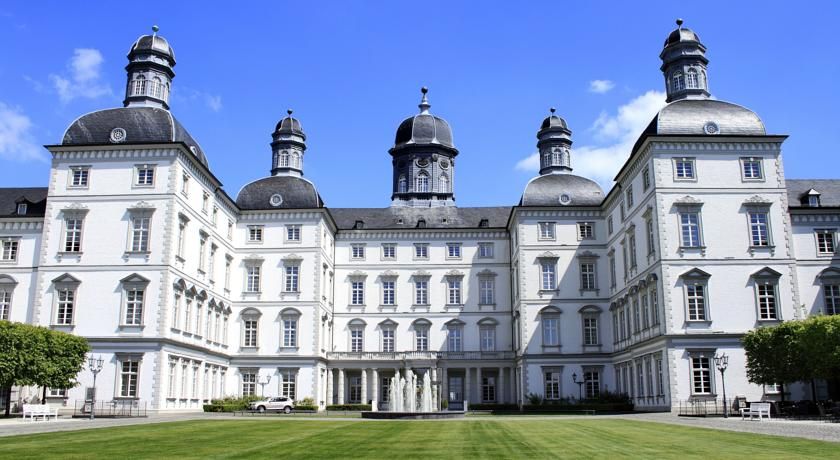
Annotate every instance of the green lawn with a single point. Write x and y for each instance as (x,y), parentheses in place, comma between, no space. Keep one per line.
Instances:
(500,438)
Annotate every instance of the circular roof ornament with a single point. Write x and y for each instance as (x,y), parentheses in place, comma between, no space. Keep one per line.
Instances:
(117,135)
(565,199)
(276,200)
(444,164)
(711,128)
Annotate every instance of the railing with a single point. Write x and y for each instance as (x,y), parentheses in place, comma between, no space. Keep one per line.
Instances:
(112,409)
(702,407)
(419,355)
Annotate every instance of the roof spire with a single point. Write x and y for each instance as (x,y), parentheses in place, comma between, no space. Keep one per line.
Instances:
(424,103)
(679,23)
(552,110)
(289,111)
(155,29)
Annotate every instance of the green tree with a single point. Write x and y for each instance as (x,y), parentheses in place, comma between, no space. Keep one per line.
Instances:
(33,355)
(820,340)
(775,355)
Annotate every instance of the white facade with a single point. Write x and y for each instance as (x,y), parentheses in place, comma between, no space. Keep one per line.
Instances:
(189,297)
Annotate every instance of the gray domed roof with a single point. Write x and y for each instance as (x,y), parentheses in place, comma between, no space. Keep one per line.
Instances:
(694,116)
(681,34)
(554,121)
(554,189)
(153,44)
(424,128)
(289,125)
(294,193)
(141,125)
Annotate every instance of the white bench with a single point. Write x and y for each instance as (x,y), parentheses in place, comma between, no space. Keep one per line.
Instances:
(756,409)
(39,410)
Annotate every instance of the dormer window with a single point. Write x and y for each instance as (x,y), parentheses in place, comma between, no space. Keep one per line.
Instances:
(21,209)
(813,201)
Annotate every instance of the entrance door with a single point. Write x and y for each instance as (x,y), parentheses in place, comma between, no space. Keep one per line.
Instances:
(456,393)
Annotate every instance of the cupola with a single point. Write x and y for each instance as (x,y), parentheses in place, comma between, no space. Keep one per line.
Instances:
(684,65)
(150,74)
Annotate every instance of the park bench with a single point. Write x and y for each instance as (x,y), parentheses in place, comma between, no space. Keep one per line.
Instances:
(39,410)
(759,409)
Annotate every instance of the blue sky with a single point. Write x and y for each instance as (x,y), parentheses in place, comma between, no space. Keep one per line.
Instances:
(352,71)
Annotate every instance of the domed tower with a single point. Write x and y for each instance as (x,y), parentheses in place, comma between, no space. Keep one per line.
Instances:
(684,65)
(423,160)
(150,74)
(288,147)
(554,144)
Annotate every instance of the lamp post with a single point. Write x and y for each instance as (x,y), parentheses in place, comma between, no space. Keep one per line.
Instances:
(579,384)
(95,366)
(722,362)
(265,382)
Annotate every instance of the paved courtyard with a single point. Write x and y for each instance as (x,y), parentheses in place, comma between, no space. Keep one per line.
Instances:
(807,429)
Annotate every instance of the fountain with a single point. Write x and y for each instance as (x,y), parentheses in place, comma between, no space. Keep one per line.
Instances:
(406,401)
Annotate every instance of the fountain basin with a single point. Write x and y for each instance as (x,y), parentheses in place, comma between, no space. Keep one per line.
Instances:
(413,415)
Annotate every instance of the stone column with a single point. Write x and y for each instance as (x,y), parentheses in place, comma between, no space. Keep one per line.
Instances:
(364,387)
(279,383)
(500,394)
(435,390)
(328,399)
(375,390)
(467,372)
(480,398)
(444,386)
(512,371)
(340,386)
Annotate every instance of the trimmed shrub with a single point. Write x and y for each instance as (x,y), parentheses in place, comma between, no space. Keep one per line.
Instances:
(352,407)
(299,407)
(494,407)
(600,407)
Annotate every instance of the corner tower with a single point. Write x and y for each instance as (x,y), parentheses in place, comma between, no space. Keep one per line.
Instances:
(684,65)
(150,74)
(423,158)
(288,147)
(554,142)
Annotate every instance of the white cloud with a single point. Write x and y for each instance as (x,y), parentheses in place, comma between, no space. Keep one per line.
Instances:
(186,95)
(214,103)
(16,141)
(615,135)
(600,86)
(84,79)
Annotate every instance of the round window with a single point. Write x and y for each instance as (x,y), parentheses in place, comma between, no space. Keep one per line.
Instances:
(565,199)
(117,135)
(276,200)
(711,128)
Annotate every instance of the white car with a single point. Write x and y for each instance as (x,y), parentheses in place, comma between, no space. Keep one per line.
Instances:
(276,403)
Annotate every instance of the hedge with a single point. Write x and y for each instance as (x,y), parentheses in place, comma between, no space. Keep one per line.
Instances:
(353,407)
(305,407)
(494,407)
(601,407)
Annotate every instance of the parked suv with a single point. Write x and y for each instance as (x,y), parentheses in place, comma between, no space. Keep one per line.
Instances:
(277,403)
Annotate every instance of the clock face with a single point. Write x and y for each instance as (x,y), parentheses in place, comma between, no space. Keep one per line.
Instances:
(444,164)
(423,162)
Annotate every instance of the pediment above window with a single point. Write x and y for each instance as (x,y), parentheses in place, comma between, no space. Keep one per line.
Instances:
(421,274)
(6,280)
(590,309)
(142,206)
(652,278)
(548,255)
(487,273)
(357,322)
(757,202)
(766,273)
(75,208)
(388,324)
(253,258)
(251,312)
(830,274)
(421,323)
(488,322)
(588,255)
(550,310)
(648,212)
(358,274)
(134,278)
(66,279)
(201,295)
(292,259)
(454,274)
(695,274)
(389,274)
(688,202)
(290,312)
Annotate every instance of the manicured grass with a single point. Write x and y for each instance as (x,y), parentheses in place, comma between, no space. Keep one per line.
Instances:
(511,438)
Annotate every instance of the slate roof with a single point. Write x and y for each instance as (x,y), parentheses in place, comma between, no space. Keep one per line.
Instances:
(546,190)
(36,199)
(689,117)
(296,193)
(423,129)
(141,124)
(829,190)
(443,217)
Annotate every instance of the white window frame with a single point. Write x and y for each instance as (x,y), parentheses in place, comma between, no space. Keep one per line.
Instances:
(389,291)
(588,275)
(9,249)
(701,313)
(289,328)
(831,298)
(129,368)
(553,383)
(71,245)
(357,292)
(421,251)
(389,251)
(683,225)
(454,291)
(680,170)
(486,250)
(84,171)
(421,291)
(548,274)
(831,233)
(141,172)
(357,251)
(388,339)
(767,300)
(701,372)
(139,237)
(455,338)
(130,316)
(453,251)
(253,278)
(586,230)
(250,330)
(291,277)
(550,327)
(646,178)
(744,162)
(293,233)
(486,290)
(760,233)
(547,231)
(256,234)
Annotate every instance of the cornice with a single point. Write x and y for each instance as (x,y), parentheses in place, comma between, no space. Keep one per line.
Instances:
(396,235)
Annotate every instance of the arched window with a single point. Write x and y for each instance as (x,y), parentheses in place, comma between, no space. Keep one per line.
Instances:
(289,327)
(422,183)
(166,92)
(284,159)
(546,158)
(250,327)
(139,86)
(157,87)
(550,319)
(296,159)
(556,156)
(443,184)
(692,81)
(402,185)
(357,335)
(678,82)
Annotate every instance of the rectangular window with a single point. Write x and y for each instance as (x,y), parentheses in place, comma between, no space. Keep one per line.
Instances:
(552,385)
(628,194)
(134,306)
(79,176)
(549,276)
(9,250)
(357,293)
(646,179)
(631,247)
(488,389)
(228,265)
(551,333)
(211,263)
(215,215)
(660,378)
(144,176)
(288,387)
(140,226)
(357,340)
(5,304)
(751,169)
(546,230)
(612,271)
(651,237)
(610,225)
(587,276)
(454,292)
(831,293)
(421,251)
(488,338)
(202,252)
(421,336)
(253,278)
(825,241)
(690,229)
(684,168)
(759,229)
(696,299)
(290,332)
(421,292)
(590,331)
(230,229)
(388,340)
(592,384)
(453,250)
(249,338)
(701,375)
(185,184)
(293,233)
(129,373)
(255,233)
(486,291)
(357,251)
(389,251)
(66,306)
(586,230)
(767,304)
(249,384)
(455,339)
(388,292)
(292,277)
(73,234)
(654,306)
(485,250)
(355,395)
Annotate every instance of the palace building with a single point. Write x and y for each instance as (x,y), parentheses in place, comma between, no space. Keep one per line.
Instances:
(190,294)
